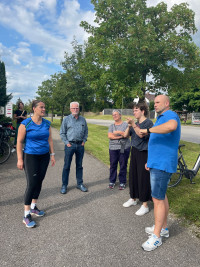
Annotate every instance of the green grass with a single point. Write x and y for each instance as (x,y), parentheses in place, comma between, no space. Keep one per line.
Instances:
(104,117)
(184,199)
(98,142)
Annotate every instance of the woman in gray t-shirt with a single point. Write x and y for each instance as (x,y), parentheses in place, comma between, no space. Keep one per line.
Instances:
(119,149)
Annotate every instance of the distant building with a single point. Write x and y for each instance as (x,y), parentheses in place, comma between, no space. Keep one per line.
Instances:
(148,98)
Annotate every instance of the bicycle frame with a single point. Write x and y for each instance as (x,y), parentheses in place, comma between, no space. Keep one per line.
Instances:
(189,173)
(182,170)
(196,165)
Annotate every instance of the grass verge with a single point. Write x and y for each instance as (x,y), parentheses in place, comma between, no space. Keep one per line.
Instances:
(184,199)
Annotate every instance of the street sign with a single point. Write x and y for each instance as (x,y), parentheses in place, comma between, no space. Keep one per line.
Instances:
(9,110)
(195,118)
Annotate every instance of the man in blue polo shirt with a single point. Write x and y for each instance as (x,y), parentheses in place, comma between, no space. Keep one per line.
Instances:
(162,162)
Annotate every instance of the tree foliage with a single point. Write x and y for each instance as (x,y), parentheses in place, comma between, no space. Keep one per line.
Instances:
(133,49)
(77,78)
(134,42)
(4,98)
(188,99)
(45,93)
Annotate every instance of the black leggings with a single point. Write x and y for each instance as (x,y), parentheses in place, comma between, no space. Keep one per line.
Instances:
(35,168)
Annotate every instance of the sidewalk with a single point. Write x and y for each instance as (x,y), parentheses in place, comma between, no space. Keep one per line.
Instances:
(82,229)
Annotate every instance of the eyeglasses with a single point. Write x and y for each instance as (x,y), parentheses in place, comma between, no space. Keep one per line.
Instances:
(74,108)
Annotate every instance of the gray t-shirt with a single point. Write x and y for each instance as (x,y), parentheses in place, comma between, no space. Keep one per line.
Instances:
(117,144)
(137,142)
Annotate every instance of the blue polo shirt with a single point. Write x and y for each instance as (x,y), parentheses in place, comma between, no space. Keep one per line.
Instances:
(163,148)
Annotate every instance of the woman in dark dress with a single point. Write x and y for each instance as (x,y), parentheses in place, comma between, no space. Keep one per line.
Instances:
(139,178)
(20,115)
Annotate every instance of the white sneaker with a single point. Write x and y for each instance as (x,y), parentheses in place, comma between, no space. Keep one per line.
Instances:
(143,210)
(164,232)
(129,203)
(152,243)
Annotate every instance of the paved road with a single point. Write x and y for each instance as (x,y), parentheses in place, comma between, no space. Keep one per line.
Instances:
(82,229)
(188,133)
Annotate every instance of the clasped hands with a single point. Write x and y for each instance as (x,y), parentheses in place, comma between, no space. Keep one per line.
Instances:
(131,122)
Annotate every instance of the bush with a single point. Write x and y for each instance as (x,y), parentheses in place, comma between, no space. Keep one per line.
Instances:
(4,119)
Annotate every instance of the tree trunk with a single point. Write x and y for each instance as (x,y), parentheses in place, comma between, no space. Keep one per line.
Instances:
(83,110)
(144,76)
(62,114)
(52,114)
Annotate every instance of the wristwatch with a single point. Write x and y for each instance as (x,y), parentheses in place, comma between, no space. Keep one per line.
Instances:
(148,131)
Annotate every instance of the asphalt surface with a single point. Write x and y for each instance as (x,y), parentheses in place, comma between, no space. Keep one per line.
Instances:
(188,133)
(83,229)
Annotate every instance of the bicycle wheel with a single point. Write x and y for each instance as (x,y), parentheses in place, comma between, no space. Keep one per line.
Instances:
(4,152)
(176,177)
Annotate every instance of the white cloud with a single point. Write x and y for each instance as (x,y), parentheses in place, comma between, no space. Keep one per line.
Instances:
(24,72)
(37,24)
(70,19)
(36,5)
(54,43)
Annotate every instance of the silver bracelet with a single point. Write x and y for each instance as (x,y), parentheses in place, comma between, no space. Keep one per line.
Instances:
(52,154)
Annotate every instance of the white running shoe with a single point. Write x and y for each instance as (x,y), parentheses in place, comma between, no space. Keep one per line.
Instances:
(129,203)
(164,232)
(142,210)
(152,243)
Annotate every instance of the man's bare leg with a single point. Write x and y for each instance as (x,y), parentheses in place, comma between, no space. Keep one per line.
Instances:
(160,214)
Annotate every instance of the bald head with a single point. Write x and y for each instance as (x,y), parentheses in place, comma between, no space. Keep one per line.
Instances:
(161,103)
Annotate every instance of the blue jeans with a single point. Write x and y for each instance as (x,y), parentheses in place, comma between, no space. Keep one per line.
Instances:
(159,182)
(78,150)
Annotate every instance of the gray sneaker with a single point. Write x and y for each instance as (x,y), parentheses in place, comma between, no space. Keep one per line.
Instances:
(150,230)
(111,185)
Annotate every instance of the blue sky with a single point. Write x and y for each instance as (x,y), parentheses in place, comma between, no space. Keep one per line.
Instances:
(34,34)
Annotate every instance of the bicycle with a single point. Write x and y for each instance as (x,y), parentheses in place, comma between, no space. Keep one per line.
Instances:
(5,147)
(182,169)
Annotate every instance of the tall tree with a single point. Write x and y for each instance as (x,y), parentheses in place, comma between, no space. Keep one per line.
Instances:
(45,93)
(62,94)
(136,48)
(78,86)
(4,98)
(187,99)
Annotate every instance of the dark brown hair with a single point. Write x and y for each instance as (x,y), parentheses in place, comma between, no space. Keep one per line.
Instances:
(142,106)
(35,103)
(20,102)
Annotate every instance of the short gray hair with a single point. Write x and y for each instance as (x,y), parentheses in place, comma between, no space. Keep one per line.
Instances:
(74,103)
(116,110)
